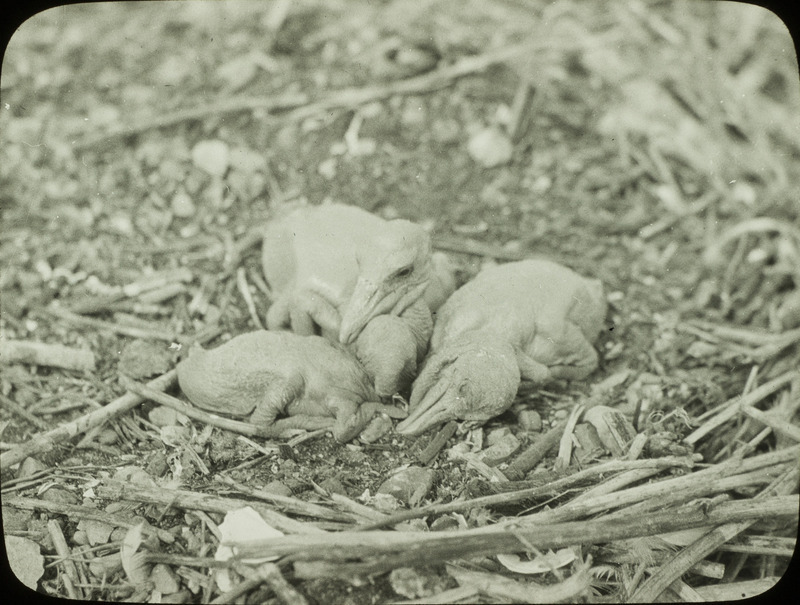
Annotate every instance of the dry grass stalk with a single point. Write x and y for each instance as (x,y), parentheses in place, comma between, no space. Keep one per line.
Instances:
(680,562)
(45,354)
(46,441)
(23,412)
(734,406)
(89,322)
(735,591)
(271,574)
(534,454)
(70,575)
(387,550)
(551,489)
(187,500)
(77,511)
(437,443)
(244,290)
(289,504)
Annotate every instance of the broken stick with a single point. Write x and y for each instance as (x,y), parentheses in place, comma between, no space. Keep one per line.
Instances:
(44,354)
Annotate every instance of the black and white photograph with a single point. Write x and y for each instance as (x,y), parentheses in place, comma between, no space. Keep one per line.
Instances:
(364,302)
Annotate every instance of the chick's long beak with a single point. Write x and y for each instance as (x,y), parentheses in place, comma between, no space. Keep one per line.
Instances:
(434,407)
(370,299)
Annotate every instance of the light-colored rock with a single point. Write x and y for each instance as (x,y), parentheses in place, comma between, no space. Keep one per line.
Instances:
(212,156)
(530,420)
(409,485)
(490,147)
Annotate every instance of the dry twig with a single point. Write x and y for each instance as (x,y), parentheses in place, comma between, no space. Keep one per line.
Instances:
(44,354)
(46,441)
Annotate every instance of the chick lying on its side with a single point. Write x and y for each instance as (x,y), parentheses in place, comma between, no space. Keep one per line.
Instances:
(529,320)
(280,381)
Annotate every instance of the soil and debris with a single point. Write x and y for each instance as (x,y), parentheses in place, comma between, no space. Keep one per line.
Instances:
(653,145)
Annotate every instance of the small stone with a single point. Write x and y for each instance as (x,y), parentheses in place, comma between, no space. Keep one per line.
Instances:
(377,428)
(417,583)
(499,435)
(530,420)
(614,430)
(384,503)
(142,359)
(277,488)
(59,495)
(30,466)
(789,311)
(106,566)
(97,532)
(182,204)
(157,464)
(413,114)
(588,446)
(560,415)
(333,485)
(327,168)
(500,451)
(490,147)
(444,523)
(164,579)
(79,538)
(163,416)
(212,155)
(107,437)
(409,485)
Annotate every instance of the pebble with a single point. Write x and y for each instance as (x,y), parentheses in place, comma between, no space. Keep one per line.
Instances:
(409,485)
(30,466)
(530,420)
(107,437)
(560,415)
(327,168)
(79,538)
(60,495)
(157,465)
(789,311)
(490,147)
(444,523)
(212,156)
(106,566)
(333,485)
(377,428)
(163,416)
(182,204)
(277,488)
(500,451)
(97,532)
(164,579)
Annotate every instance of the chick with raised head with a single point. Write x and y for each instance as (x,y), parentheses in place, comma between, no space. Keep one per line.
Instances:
(333,269)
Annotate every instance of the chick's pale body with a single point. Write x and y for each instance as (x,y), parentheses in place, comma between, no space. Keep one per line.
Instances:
(279,381)
(531,320)
(310,263)
(335,269)
(549,314)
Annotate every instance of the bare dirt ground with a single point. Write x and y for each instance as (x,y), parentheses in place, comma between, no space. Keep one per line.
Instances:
(653,145)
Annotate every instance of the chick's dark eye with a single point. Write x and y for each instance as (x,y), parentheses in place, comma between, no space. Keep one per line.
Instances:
(404,272)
